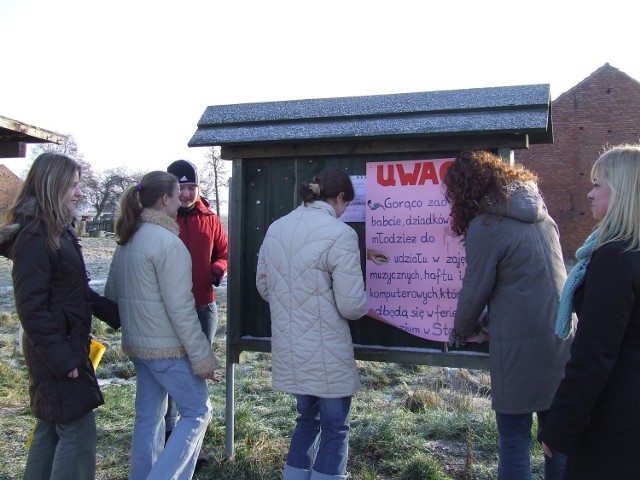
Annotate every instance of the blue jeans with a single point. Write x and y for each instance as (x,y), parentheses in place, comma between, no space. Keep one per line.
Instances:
(514,441)
(60,451)
(208,316)
(150,457)
(320,441)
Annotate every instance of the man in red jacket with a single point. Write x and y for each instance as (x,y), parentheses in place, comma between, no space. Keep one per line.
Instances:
(203,234)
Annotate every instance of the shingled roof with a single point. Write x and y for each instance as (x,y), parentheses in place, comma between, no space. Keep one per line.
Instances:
(516,110)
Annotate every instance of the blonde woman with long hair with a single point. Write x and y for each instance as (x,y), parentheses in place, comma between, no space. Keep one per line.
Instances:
(55,305)
(595,415)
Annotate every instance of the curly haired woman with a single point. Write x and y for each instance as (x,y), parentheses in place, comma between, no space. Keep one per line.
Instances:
(515,266)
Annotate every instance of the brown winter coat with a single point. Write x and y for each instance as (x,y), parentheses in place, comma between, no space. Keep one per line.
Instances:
(54,304)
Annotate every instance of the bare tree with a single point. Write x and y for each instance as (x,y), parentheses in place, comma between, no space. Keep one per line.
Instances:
(214,178)
(110,185)
(68,147)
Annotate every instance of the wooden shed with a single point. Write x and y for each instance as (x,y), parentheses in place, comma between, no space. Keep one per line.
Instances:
(276,145)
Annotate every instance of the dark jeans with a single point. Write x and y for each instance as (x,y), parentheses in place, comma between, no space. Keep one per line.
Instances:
(320,441)
(514,441)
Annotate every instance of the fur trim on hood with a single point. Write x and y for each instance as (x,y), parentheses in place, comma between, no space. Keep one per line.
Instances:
(8,233)
(157,217)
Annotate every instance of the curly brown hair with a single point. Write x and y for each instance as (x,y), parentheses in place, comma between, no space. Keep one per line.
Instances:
(475,182)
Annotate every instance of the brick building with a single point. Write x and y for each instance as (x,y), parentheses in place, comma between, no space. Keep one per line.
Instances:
(603,109)
(9,185)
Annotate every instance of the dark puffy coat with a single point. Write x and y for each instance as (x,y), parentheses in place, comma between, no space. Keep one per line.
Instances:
(595,415)
(54,304)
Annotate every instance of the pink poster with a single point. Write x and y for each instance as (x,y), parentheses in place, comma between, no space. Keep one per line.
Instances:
(414,266)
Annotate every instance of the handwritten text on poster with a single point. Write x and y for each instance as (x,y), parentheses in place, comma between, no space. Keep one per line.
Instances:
(416,285)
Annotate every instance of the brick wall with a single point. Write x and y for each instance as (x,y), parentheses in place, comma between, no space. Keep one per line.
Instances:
(9,186)
(603,109)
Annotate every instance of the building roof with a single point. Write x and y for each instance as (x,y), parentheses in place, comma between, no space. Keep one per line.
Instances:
(14,136)
(515,110)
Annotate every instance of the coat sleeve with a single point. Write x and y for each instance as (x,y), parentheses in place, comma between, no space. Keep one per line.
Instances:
(173,268)
(110,287)
(220,252)
(609,298)
(44,325)
(105,309)
(482,257)
(261,273)
(348,285)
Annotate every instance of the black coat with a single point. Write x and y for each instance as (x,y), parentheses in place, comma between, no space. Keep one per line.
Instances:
(54,304)
(595,416)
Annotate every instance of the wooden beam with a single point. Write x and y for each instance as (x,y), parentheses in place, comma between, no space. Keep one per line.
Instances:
(415,356)
(375,146)
(28,133)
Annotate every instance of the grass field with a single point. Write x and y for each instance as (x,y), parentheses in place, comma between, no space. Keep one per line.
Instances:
(408,421)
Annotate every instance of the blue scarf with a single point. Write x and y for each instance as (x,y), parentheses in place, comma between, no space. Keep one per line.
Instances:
(564,323)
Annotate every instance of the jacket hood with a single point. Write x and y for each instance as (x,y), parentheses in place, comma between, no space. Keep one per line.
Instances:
(7,234)
(10,231)
(525,203)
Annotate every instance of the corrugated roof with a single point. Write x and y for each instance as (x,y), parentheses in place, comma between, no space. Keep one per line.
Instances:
(524,109)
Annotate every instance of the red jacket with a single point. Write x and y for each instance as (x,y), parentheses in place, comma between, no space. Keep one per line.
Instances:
(202,232)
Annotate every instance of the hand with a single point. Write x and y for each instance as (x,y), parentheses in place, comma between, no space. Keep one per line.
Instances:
(377,257)
(547,451)
(73,373)
(481,331)
(456,340)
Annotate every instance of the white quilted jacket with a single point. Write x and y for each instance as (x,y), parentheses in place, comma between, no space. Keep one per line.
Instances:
(309,272)
(150,278)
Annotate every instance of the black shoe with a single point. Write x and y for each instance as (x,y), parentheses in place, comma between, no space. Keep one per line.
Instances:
(201,462)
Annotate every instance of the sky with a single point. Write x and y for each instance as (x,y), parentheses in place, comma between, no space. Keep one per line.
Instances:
(129,79)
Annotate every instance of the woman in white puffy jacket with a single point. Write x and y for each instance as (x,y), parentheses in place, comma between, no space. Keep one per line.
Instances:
(150,278)
(309,272)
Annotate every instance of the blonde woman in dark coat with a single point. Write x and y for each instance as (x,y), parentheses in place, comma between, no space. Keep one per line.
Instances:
(595,415)
(55,305)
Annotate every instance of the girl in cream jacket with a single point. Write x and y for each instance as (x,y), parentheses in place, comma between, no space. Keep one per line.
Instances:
(309,272)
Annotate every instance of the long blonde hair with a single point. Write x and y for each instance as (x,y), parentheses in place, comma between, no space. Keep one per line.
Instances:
(46,186)
(619,166)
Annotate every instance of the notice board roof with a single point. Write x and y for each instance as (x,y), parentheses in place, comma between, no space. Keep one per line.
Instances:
(523,110)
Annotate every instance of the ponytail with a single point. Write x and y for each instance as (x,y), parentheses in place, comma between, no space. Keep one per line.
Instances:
(328,184)
(138,197)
